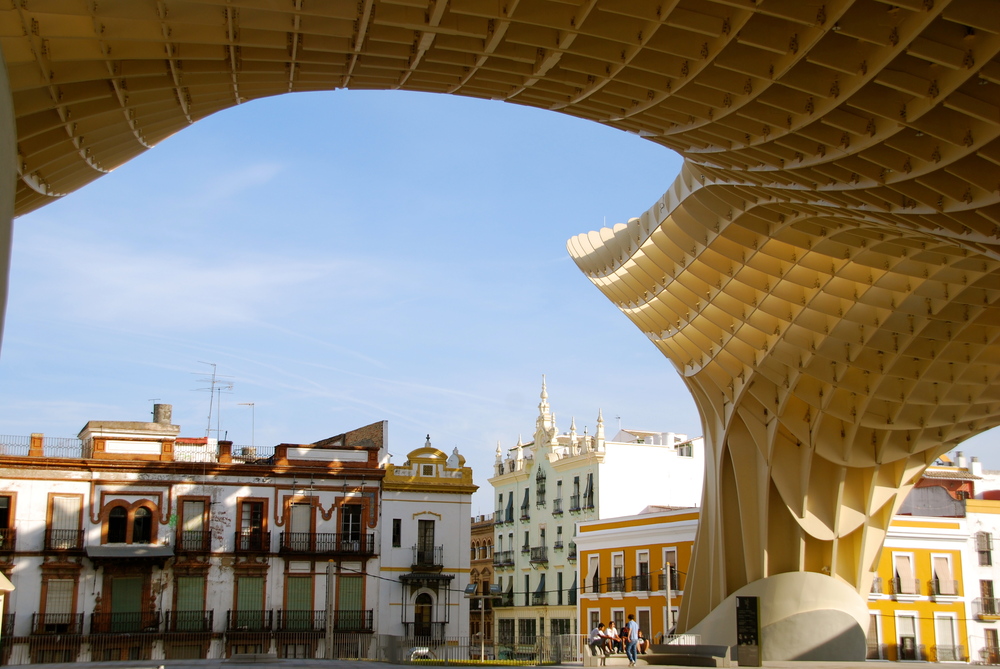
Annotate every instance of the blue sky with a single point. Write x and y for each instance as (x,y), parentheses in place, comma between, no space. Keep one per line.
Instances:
(343,258)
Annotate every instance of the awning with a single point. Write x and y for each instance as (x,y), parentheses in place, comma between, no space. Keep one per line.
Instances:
(510,507)
(525,503)
(130,552)
(590,485)
(541,585)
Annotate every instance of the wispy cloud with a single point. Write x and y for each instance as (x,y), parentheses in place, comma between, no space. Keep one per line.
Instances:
(224,186)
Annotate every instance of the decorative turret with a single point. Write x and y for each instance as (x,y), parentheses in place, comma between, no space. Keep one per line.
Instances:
(599,435)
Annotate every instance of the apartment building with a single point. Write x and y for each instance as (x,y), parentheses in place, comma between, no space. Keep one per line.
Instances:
(132,543)
(545,488)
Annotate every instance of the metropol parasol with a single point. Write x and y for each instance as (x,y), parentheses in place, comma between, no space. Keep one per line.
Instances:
(824,273)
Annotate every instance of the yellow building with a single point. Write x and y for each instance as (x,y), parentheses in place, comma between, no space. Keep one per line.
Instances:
(917,601)
(624,565)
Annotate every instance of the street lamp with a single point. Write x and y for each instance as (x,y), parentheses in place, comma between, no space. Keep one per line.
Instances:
(253,420)
(471,591)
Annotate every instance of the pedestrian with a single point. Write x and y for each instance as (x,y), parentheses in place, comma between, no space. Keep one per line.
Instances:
(631,631)
(598,642)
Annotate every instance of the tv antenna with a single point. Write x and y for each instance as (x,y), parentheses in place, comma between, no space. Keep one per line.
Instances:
(217,383)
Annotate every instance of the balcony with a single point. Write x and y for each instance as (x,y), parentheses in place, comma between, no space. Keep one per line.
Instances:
(189,541)
(503,559)
(249,621)
(132,622)
(301,621)
(425,632)
(905,588)
(539,554)
(8,540)
(425,558)
(944,588)
(574,503)
(877,586)
(498,517)
(557,506)
(64,540)
(986,608)
(640,583)
(55,623)
(327,543)
(360,620)
(539,598)
(525,549)
(506,599)
(989,655)
(571,556)
(525,514)
(252,541)
(675,584)
(557,546)
(948,654)
(616,584)
(189,621)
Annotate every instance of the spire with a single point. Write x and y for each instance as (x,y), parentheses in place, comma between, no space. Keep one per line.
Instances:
(499,452)
(543,406)
(572,429)
(599,433)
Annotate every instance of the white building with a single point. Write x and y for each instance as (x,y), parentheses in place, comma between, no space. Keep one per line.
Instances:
(545,487)
(132,543)
(426,519)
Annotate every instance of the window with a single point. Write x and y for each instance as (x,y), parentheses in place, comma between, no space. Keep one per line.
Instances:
(299,535)
(984,546)
(129,527)
(944,631)
(904,581)
(593,574)
(526,630)
(397,532)
(525,514)
(425,542)
(505,631)
(64,531)
(906,628)
(6,522)
(189,606)
(670,558)
(118,525)
(559,626)
(559,590)
(527,589)
(252,536)
(427,470)
(989,604)
(249,614)
(193,534)
(588,492)
(142,526)
(642,577)
(350,526)
(944,583)
(57,610)
(685,450)
(540,488)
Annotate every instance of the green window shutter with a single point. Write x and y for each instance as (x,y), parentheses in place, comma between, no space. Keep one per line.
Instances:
(299,594)
(190,593)
(350,594)
(126,594)
(250,593)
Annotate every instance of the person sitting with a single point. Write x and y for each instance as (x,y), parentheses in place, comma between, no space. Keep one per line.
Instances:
(643,643)
(615,640)
(598,642)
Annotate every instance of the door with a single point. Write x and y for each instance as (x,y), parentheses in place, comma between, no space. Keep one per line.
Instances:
(944,630)
(193,537)
(907,631)
(65,531)
(252,526)
(425,542)
(423,615)
(126,604)
(350,528)
(299,527)
(190,613)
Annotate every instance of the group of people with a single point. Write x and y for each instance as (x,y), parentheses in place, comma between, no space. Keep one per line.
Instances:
(607,640)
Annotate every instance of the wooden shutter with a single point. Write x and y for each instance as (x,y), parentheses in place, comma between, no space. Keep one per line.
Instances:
(298,596)
(59,596)
(66,513)
(194,515)
(190,593)
(250,593)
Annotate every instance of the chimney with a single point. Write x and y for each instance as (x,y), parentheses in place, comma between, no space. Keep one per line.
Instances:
(976,467)
(162,413)
(960,460)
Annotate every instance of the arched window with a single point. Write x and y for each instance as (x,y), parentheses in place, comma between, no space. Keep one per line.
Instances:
(117,525)
(142,526)
(423,615)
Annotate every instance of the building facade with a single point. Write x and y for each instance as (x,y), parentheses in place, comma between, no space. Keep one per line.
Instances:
(635,565)
(132,543)
(481,574)
(544,488)
(424,562)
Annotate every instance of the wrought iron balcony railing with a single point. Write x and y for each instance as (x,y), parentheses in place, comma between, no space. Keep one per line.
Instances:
(616,584)
(503,559)
(131,622)
(8,539)
(301,621)
(944,587)
(539,598)
(253,541)
(905,586)
(349,543)
(574,503)
(571,556)
(539,554)
(55,623)
(193,541)
(557,546)
(986,607)
(359,620)
(249,621)
(428,557)
(877,586)
(557,506)
(640,583)
(674,579)
(63,540)
(189,621)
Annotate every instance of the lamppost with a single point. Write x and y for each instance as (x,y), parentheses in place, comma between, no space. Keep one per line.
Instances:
(253,420)
(472,592)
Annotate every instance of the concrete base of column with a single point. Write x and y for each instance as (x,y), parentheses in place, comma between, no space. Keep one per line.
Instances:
(803,616)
